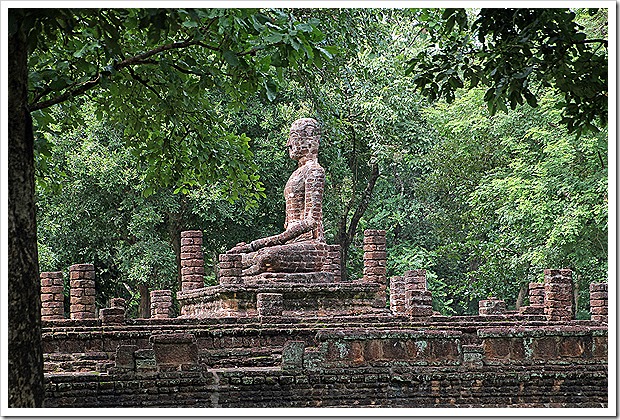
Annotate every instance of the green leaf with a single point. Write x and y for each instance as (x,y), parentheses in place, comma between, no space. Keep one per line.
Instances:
(273,38)
(231,58)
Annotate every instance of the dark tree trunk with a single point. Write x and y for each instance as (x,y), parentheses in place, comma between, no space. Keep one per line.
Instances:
(25,368)
(176,224)
(522,293)
(145,301)
(346,234)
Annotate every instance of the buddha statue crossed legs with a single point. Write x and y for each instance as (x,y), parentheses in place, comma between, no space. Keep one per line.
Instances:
(301,248)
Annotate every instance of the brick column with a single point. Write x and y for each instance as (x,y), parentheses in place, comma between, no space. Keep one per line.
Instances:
(230,269)
(418,300)
(598,302)
(333,262)
(82,282)
(397,295)
(161,304)
(115,314)
(192,260)
(536,294)
(375,256)
(558,299)
(269,304)
(52,297)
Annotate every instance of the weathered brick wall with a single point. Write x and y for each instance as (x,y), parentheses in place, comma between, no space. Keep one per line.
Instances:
(242,362)
(398,386)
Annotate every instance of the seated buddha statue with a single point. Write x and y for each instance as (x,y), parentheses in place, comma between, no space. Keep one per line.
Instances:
(301,248)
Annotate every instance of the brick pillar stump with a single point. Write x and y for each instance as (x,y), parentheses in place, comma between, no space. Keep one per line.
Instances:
(375,259)
(230,269)
(115,314)
(52,297)
(161,304)
(415,280)
(82,294)
(118,303)
(192,260)
(112,315)
(375,256)
(418,300)
(397,295)
(536,295)
(491,306)
(333,262)
(269,304)
(598,302)
(558,301)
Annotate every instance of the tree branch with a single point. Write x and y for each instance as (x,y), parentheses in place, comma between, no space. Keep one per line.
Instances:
(143,82)
(68,94)
(135,60)
(138,59)
(365,201)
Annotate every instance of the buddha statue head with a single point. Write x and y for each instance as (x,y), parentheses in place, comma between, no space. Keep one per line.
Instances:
(304,138)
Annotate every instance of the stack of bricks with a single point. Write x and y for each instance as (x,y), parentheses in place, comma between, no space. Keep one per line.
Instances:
(491,306)
(418,300)
(52,297)
(161,304)
(375,256)
(598,302)
(269,304)
(536,295)
(118,303)
(82,294)
(558,299)
(333,262)
(192,260)
(397,295)
(230,269)
(115,314)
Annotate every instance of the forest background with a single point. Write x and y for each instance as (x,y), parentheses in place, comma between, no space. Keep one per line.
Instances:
(483,195)
(477,138)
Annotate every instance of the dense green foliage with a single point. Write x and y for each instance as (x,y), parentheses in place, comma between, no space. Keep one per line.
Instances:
(516,53)
(483,202)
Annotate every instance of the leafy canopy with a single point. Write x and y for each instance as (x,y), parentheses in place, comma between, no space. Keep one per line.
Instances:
(515,54)
(159,72)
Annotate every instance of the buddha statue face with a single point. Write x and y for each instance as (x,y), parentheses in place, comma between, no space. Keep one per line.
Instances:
(304,139)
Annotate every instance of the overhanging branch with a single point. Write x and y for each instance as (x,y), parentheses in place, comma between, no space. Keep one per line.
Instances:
(135,60)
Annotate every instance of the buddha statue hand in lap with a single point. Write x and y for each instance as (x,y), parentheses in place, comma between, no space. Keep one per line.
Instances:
(301,247)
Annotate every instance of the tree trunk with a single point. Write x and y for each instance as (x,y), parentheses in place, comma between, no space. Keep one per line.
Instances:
(175,226)
(145,301)
(25,369)
(522,292)
(346,234)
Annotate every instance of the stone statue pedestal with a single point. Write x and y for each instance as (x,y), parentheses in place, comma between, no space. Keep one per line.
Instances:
(321,297)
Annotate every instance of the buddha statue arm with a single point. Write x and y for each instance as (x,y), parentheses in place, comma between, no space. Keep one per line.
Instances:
(313,197)
(294,230)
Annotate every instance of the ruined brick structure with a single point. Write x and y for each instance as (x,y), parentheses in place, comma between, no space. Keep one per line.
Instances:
(598,302)
(282,329)
(192,260)
(52,297)
(82,281)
